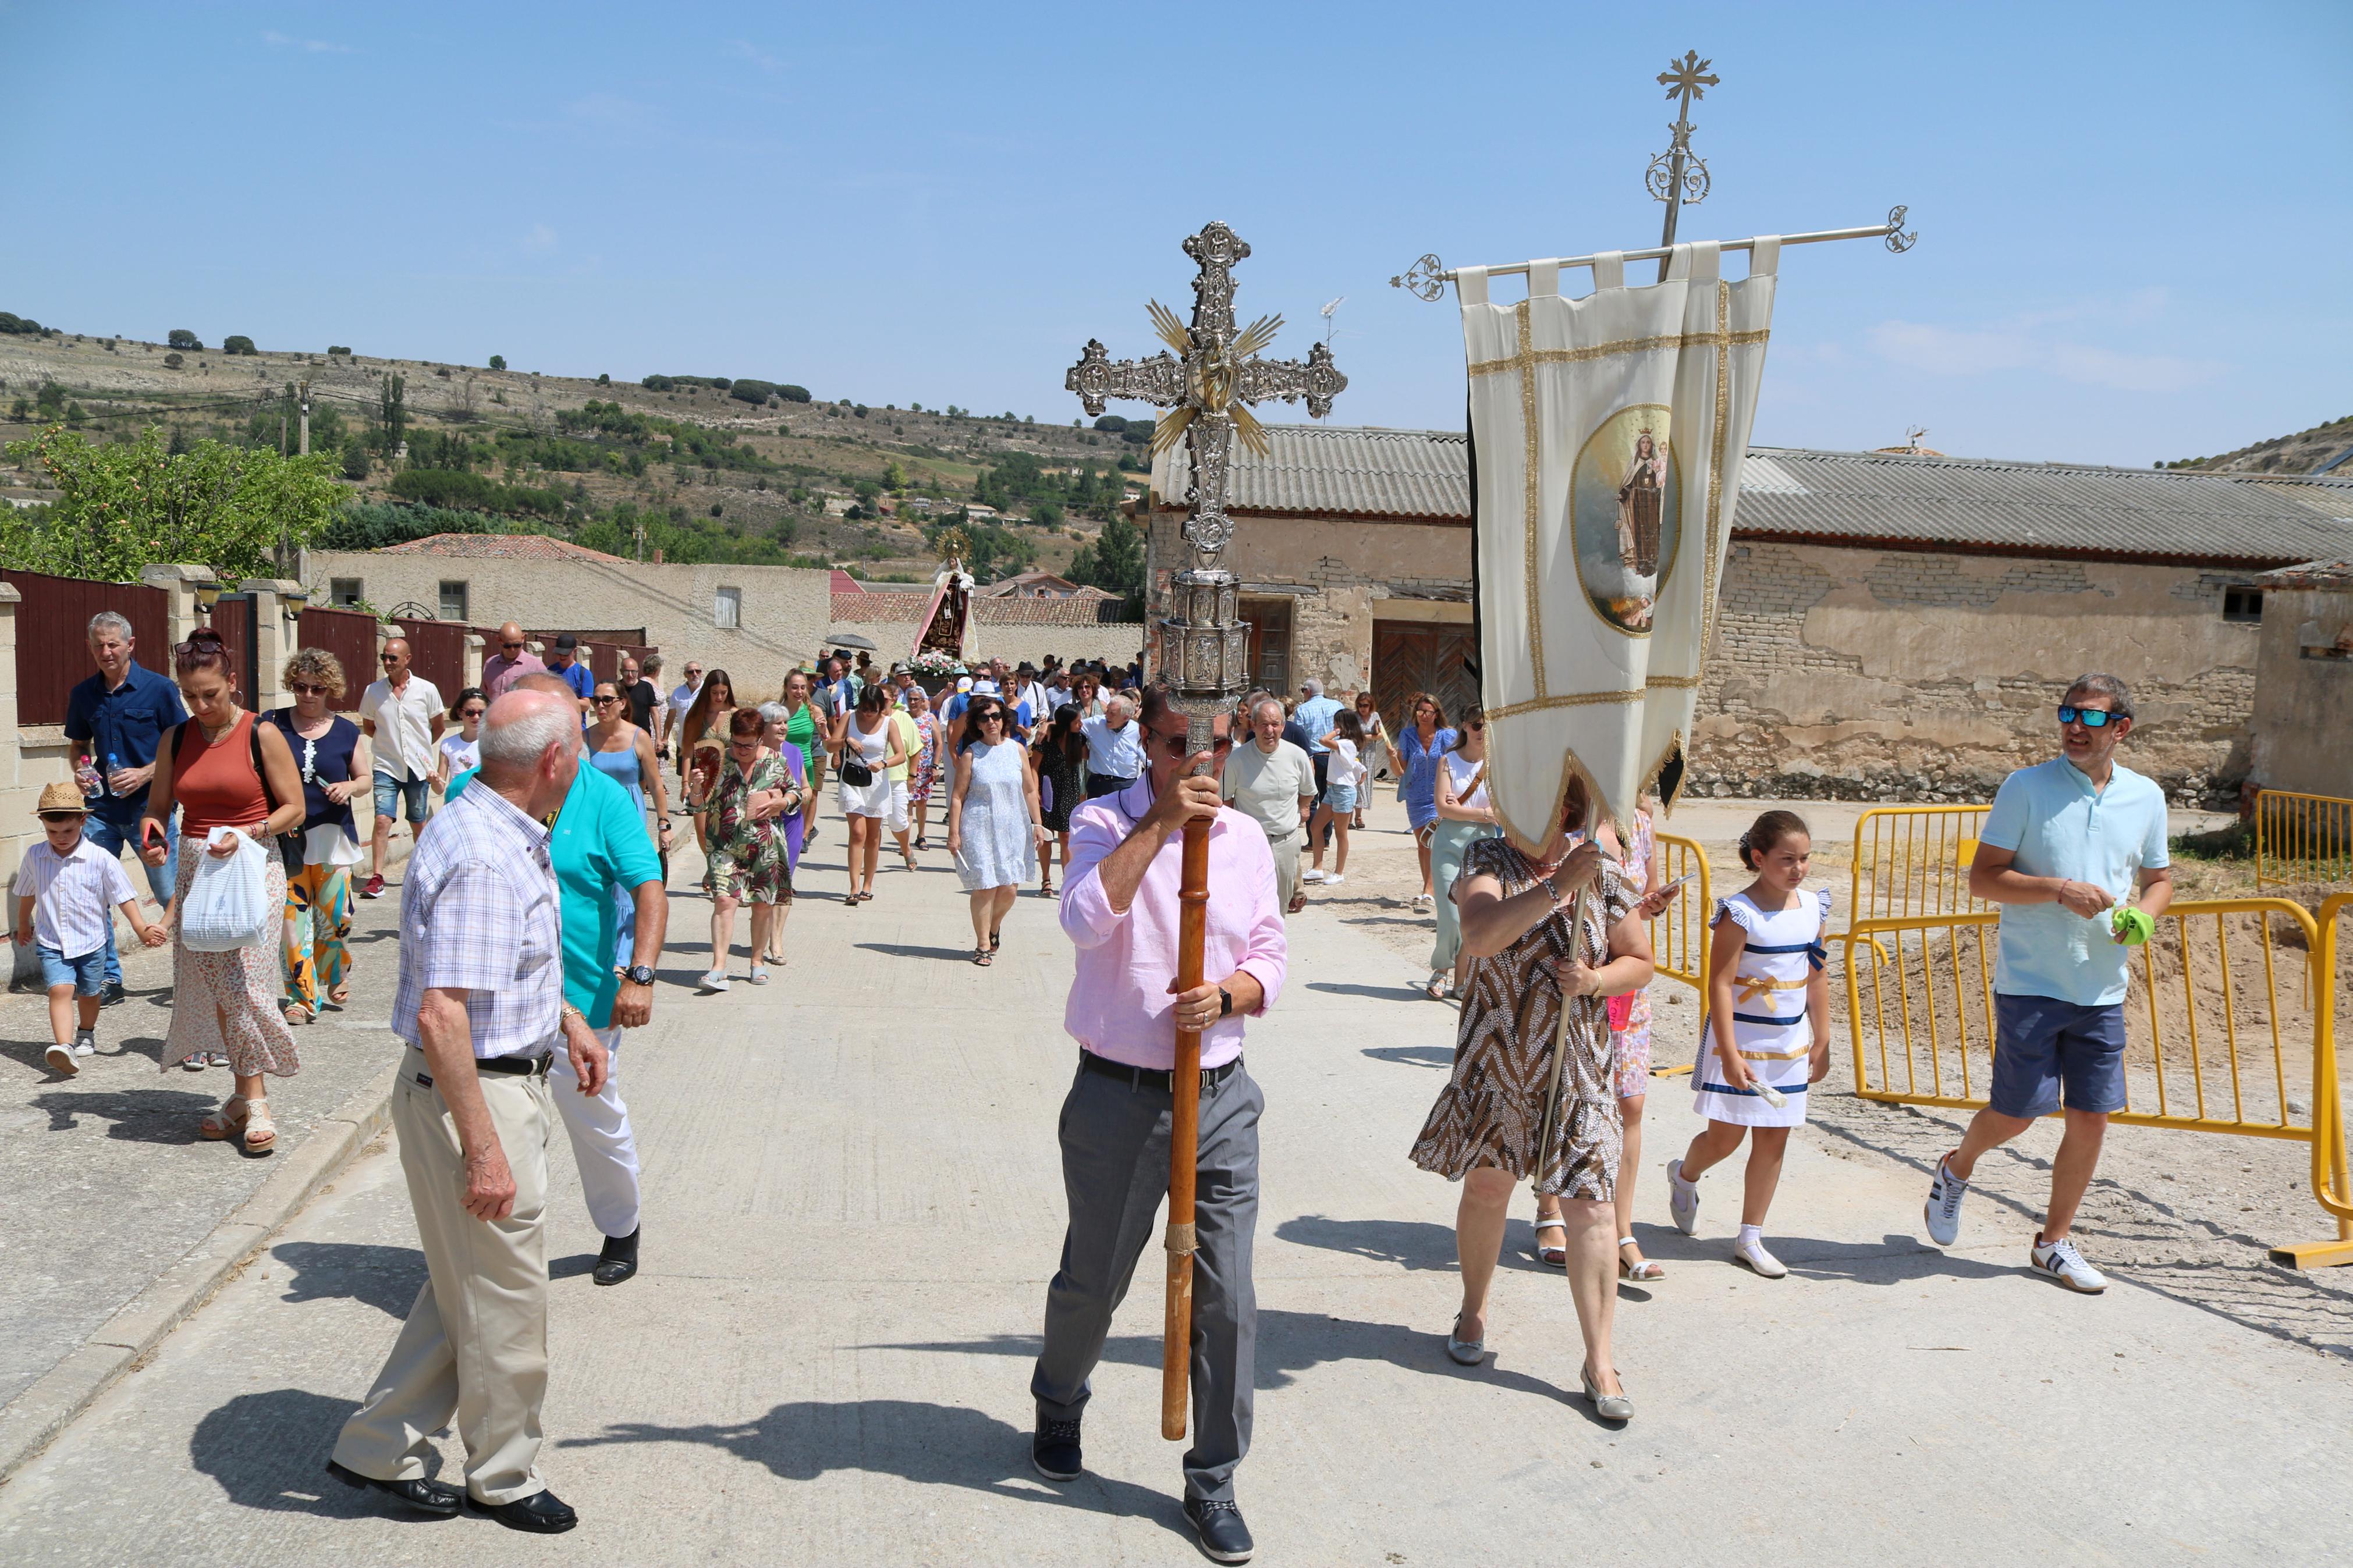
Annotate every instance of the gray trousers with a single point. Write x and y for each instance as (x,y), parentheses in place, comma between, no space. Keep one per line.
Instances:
(1114,1140)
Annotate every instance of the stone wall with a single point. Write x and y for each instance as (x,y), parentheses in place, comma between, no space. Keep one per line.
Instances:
(1919,675)
(783,616)
(2304,695)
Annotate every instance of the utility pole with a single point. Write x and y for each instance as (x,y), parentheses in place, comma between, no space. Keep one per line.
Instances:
(306,416)
(283,404)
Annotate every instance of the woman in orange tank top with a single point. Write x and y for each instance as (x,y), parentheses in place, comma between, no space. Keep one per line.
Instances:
(224,1005)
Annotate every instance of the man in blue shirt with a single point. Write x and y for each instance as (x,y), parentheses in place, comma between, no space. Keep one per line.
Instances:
(2067,848)
(563,662)
(116,719)
(1114,749)
(610,880)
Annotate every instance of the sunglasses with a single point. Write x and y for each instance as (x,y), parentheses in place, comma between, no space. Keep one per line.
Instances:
(299,690)
(1475,729)
(510,647)
(470,712)
(601,702)
(2090,718)
(388,659)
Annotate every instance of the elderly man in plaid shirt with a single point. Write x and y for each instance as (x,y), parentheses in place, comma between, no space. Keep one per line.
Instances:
(481,1002)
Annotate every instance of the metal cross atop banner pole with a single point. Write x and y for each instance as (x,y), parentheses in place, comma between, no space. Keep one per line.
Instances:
(1207,383)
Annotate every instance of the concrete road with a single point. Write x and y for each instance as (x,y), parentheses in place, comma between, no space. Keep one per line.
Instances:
(853,1206)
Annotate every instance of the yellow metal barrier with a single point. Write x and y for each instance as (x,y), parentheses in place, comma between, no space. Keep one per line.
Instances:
(2302,840)
(2217,1062)
(1678,933)
(2330,1183)
(1914,860)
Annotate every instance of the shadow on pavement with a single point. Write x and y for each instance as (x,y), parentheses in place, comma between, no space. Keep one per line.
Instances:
(1288,1344)
(384,1277)
(1440,1057)
(268,1451)
(140,1115)
(1379,993)
(933,1444)
(1413,1245)
(900,950)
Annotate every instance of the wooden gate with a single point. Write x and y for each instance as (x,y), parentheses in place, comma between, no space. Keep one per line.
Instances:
(53,636)
(1418,655)
(436,650)
(350,636)
(233,618)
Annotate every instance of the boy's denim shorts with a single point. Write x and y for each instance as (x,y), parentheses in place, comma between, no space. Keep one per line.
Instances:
(86,974)
(2044,1044)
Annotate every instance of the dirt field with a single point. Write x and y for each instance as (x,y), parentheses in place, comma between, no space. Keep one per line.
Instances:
(2189,1213)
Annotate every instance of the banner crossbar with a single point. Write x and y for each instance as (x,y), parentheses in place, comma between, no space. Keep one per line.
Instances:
(1428,278)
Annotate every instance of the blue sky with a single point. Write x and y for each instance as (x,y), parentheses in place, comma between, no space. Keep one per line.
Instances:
(2133,219)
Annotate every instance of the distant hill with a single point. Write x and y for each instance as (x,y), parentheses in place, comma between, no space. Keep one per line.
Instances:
(2298,453)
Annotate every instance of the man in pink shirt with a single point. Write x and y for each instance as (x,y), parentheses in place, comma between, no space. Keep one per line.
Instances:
(1120,906)
(512,661)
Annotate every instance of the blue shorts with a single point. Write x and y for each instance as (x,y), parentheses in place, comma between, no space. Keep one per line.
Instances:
(390,792)
(2043,1045)
(86,974)
(1341,798)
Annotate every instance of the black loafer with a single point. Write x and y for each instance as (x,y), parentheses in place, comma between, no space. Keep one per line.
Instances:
(1054,1450)
(617,1259)
(540,1513)
(1219,1523)
(440,1500)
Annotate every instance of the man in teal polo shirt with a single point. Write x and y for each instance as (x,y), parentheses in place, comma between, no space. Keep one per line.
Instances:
(2067,848)
(611,885)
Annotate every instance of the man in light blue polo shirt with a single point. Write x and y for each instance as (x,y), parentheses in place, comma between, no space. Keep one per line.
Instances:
(1114,748)
(2069,849)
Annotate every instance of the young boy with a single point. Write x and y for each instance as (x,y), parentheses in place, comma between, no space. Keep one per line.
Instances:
(64,890)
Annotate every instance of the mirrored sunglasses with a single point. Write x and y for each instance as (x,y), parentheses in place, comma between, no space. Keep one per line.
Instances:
(2090,718)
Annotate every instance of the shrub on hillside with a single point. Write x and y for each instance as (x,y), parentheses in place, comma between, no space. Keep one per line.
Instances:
(498,361)
(1113,423)
(239,345)
(343,349)
(20,326)
(181,338)
(173,362)
(355,458)
(752,392)
(444,488)
(792,393)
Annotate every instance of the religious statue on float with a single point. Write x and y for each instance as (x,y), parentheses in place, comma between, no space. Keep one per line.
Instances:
(946,627)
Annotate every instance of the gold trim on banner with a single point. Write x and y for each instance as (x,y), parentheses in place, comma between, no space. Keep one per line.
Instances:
(1712,562)
(1589,699)
(1528,462)
(1623,346)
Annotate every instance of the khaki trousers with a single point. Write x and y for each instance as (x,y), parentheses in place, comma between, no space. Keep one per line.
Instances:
(1286,868)
(474,1350)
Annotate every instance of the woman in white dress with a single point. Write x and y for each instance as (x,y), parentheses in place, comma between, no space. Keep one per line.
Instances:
(1768,1005)
(869,747)
(994,823)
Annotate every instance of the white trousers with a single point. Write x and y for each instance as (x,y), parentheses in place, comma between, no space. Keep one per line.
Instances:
(894,816)
(603,1145)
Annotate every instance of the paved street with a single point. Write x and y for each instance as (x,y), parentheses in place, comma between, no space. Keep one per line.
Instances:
(853,1203)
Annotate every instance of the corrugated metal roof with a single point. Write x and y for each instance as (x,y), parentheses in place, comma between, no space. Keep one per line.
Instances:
(1859,497)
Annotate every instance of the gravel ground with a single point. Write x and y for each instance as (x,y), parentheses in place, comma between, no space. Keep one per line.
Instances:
(2189,1213)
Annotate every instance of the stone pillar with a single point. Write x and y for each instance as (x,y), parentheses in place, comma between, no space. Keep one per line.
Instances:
(18,824)
(274,641)
(181,616)
(476,651)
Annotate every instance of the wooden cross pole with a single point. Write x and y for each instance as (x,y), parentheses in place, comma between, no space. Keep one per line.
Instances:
(1206,379)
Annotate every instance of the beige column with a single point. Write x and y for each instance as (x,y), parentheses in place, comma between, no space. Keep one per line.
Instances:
(274,641)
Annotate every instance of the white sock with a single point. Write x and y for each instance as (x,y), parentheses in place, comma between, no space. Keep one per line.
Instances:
(1751,1235)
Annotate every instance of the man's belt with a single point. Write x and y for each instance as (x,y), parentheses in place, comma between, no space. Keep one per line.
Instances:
(1151,1077)
(536,1066)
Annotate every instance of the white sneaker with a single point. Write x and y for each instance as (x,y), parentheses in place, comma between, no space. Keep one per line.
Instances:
(2060,1260)
(61,1059)
(1310,875)
(1943,1209)
(1334,880)
(85,1043)
(1759,1261)
(1683,1199)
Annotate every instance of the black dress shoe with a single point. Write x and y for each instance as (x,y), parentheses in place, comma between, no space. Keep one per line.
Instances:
(1219,1523)
(617,1259)
(540,1513)
(435,1497)
(113,994)
(1054,1450)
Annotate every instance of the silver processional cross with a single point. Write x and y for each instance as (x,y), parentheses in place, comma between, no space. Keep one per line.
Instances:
(1206,384)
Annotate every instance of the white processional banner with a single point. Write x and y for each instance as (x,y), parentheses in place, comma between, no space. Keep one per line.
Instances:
(1607,438)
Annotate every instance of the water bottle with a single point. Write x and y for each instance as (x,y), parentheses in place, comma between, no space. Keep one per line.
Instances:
(92,787)
(113,767)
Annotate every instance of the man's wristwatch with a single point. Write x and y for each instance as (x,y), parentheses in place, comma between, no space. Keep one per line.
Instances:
(639,975)
(1225,1003)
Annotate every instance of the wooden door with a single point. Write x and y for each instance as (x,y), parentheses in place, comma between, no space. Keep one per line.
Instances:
(1269,642)
(1417,655)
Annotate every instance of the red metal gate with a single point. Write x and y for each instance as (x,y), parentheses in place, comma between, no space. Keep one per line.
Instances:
(350,636)
(437,652)
(53,636)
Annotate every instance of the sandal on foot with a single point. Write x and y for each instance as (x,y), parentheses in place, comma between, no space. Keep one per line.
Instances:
(849,898)
(297,1014)
(260,1132)
(1552,1257)
(337,997)
(228,1121)
(995,940)
(1437,988)
(982,956)
(1465,1353)
(1644,1269)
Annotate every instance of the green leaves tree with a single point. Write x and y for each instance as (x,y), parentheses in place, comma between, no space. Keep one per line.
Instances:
(237,344)
(498,361)
(128,505)
(181,338)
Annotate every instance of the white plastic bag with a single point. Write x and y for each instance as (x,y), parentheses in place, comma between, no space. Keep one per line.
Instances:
(228,905)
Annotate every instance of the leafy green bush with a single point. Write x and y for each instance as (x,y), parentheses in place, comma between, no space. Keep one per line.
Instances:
(181,338)
(20,326)
(343,349)
(498,361)
(441,487)
(752,392)
(1112,422)
(792,393)
(237,344)
(355,463)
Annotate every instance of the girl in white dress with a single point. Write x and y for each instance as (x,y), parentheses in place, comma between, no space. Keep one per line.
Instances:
(1766,1040)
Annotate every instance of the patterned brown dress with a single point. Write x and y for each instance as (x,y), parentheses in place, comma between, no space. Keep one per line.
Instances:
(1490,1111)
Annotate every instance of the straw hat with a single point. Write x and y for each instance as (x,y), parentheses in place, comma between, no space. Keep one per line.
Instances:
(62,795)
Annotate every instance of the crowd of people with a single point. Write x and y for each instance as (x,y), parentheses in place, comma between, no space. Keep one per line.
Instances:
(536,901)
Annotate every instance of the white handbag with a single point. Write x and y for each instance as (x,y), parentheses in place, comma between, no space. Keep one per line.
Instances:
(227,906)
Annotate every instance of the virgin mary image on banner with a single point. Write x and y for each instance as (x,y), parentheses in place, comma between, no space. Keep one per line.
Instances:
(1623,506)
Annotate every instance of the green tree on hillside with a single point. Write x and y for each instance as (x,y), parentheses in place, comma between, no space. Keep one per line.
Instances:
(498,361)
(132,505)
(182,338)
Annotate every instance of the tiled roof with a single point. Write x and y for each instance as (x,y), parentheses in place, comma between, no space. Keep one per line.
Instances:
(2311,575)
(502,547)
(1861,498)
(1074,610)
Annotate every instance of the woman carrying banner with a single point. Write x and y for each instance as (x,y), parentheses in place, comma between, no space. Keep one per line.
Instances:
(1486,1126)
(1418,747)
